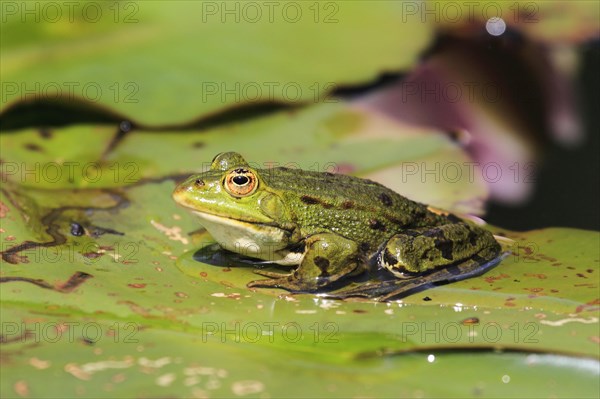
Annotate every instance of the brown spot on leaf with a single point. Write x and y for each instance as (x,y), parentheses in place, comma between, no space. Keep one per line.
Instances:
(92,255)
(3,210)
(470,321)
(536,275)
(491,279)
(21,388)
(537,289)
(45,133)
(136,285)
(227,283)
(134,307)
(34,147)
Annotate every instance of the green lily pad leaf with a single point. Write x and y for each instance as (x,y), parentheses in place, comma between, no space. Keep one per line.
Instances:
(103,293)
(191,53)
(120,307)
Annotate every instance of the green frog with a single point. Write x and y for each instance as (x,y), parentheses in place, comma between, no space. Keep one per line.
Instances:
(328,227)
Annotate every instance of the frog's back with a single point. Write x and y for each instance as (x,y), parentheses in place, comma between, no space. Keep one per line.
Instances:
(348,205)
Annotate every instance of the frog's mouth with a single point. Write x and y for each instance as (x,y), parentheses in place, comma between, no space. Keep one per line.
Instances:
(181,199)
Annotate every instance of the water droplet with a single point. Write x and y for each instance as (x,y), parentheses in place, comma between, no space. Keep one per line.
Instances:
(495,26)
(125,126)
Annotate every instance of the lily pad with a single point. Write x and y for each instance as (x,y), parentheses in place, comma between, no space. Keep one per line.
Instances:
(102,296)
(113,315)
(191,53)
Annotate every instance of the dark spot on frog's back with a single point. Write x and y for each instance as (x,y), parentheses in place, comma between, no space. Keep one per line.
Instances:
(348,205)
(385,199)
(307,199)
(376,225)
(472,238)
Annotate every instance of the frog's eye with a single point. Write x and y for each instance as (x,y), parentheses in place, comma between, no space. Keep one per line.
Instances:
(240,182)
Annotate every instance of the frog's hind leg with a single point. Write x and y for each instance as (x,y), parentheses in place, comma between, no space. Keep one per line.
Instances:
(427,256)
(413,252)
(398,288)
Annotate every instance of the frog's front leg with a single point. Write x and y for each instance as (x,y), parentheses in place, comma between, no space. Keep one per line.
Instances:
(327,258)
(416,251)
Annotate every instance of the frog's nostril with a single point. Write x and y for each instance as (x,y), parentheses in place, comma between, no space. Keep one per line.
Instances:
(199,183)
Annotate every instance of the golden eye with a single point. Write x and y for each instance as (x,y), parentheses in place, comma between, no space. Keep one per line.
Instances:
(240,182)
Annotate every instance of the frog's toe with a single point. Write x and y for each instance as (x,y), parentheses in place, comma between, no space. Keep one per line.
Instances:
(394,265)
(265,283)
(286,283)
(275,275)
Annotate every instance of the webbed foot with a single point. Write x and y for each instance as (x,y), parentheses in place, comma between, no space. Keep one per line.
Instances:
(395,289)
(279,280)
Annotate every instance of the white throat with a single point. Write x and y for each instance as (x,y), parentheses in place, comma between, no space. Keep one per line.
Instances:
(250,239)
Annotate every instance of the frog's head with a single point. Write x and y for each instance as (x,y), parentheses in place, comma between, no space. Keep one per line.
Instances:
(233,191)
